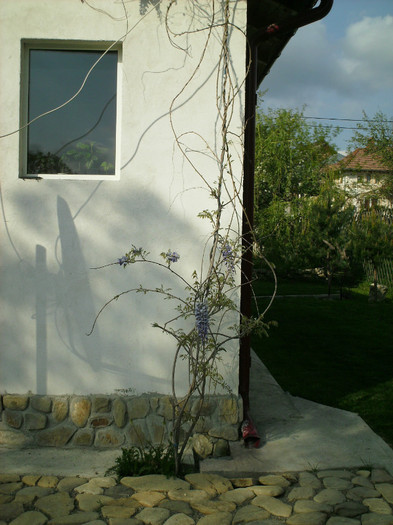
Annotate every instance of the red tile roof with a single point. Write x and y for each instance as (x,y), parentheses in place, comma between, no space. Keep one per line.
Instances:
(359,160)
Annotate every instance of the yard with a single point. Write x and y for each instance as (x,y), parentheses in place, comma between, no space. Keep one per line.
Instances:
(335,352)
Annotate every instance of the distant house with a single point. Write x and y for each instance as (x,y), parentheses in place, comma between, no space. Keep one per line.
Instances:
(360,174)
(128,99)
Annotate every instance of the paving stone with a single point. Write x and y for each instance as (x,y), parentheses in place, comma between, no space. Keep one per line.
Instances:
(210,483)
(331,482)
(89,488)
(362,481)
(238,496)
(10,488)
(31,517)
(272,479)
(376,519)
(350,509)
(180,519)
(92,502)
(155,516)
(9,478)
(55,505)
(309,518)
(177,507)
(10,511)
(48,482)
(386,489)
(115,511)
(219,518)
(301,493)
(190,496)
(267,490)
(306,479)
(28,495)
(364,473)
(359,493)
(118,491)
(346,474)
(95,522)
(337,520)
(330,496)
(104,482)
(81,518)
(377,505)
(125,521)
(248,514)
(242,482)
(380,476)
(305,505)
(211,507)
(6,498)
(272,505)
(30,480)
(156,482)
(69,483)
(149,498)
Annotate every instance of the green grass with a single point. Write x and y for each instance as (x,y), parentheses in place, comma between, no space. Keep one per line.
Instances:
(339,353)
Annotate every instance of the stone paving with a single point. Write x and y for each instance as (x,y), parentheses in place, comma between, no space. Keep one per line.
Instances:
(361,496)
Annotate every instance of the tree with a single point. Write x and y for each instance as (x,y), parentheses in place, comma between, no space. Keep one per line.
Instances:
(372,240)
(290,157)
(329,217)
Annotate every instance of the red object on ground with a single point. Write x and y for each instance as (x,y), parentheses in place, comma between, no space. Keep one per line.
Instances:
(250,434)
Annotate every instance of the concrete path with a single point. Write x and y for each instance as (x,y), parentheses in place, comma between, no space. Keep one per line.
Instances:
(301,435)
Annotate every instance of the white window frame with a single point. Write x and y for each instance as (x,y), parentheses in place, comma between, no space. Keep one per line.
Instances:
(67,45)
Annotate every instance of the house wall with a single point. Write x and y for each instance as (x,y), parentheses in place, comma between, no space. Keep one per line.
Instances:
(54,231)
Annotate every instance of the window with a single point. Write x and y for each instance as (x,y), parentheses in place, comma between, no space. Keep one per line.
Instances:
(79,138)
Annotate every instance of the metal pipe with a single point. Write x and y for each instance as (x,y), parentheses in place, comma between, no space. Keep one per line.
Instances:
(287,26)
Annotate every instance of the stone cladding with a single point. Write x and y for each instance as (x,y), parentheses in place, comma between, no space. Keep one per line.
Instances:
(361,496)
(114,421)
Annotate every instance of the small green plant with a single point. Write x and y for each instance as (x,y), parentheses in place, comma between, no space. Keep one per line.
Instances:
(140,461)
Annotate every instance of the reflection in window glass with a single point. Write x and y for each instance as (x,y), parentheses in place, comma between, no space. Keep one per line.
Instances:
(79,138)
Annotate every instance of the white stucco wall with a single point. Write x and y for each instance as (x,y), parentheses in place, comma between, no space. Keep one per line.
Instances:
(54,231)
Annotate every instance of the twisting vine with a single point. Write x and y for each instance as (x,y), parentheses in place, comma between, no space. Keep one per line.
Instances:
(211,295)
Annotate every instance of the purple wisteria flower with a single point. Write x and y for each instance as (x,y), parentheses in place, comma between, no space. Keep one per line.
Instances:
(172,256)
(202,320)
(228,256)
(123,261)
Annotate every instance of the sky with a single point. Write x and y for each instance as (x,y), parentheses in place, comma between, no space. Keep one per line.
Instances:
(337,67)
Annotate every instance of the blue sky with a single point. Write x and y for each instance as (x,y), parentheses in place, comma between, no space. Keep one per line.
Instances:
(338,67)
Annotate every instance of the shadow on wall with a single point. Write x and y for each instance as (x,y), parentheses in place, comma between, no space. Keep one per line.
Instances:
(76,299)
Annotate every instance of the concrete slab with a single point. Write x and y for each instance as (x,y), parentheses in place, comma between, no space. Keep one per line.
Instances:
(300,435)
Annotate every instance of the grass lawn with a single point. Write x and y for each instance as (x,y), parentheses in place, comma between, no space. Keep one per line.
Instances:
(335,352)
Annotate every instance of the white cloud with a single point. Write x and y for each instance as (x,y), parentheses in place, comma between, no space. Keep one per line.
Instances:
(367,59)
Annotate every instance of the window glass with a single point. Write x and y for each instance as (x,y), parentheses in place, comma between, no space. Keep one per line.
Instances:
(79,138)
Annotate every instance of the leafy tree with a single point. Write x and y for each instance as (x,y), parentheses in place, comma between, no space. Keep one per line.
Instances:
(329,218)
(372,239)
(290,156)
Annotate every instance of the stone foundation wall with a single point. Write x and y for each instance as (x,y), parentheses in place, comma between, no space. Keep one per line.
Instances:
(113,421)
